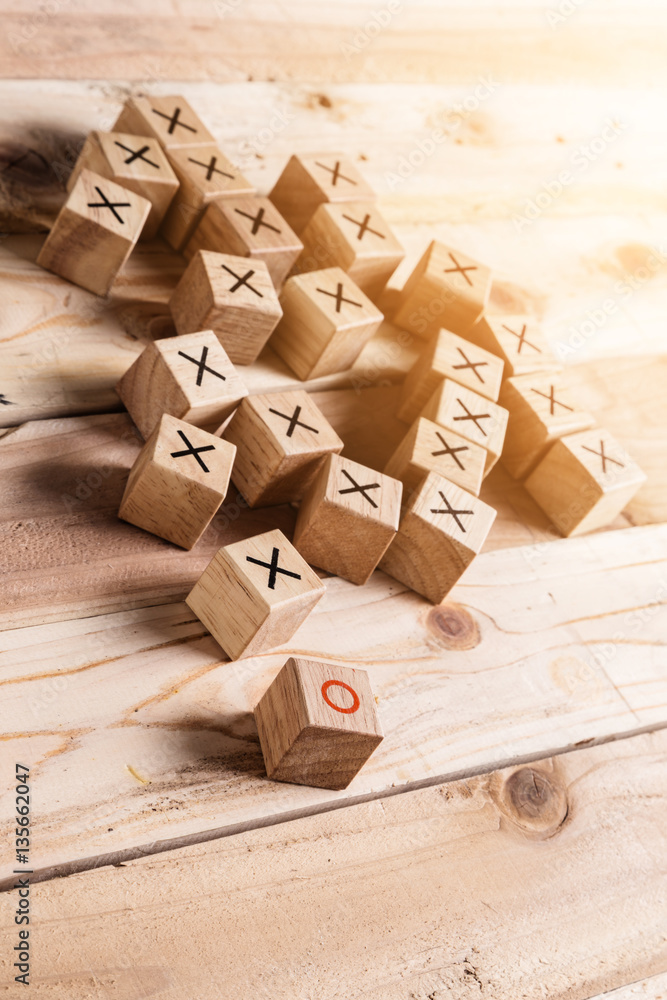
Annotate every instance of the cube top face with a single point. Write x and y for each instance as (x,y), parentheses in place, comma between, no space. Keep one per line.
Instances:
(447,453)
(201,368)
(338,302)
(545,398)
(467,278)
(236,282)
(192,453)
(471,415)
(520,341)
(335,697)
(208,171)
(604,459)
(470,366)
(293,423)
(458,514)
(108,205)
(272,569)
(358,231)
(335,177)
(133,157)
(170,119)
(257,223)
(361,491)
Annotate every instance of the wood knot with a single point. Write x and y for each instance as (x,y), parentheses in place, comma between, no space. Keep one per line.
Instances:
(534,800)
(453,626)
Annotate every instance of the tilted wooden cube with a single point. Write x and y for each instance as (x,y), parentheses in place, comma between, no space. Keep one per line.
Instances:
(248,227)
(326,323)
(356,238)
(348,516)
(541,409)
(472,416)
(205,175)
(178,482)
(427,447)
(518,340)
(94,232)
(442,529)
(137,163)
(232,296)
(309,180)
(170,120)
(189,377)
(446,289)
(449,356)
(254,594)
(317,724)
(584,481)
(282,439)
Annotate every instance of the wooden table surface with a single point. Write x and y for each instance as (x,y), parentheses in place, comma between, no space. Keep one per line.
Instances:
(508,837)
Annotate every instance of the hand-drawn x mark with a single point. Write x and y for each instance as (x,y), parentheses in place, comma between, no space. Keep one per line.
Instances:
(294,421)
(191,450)
(240,281)
(335,172)
(470,364)
(339,297)
(450,451)
(458,268)
(202,366)
(173,120)
(522,339)
(552,400)
(113,205)
(363,226)
(211,168)
(450,510)
(273,568)
(136,154)
(356,488)
(603,455)
(257,221)
(475,417)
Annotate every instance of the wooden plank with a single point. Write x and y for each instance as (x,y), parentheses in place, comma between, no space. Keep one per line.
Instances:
(139,733)
(654,988)
(538,881)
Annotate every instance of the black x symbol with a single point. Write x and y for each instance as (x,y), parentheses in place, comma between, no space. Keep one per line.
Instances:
(522,339)
(240,281)
(450,451)
(136,154)
(173,120)
(363,226)
(257,221)
(193,451)
(202,366)
(356,488)
(605,458)
(273,568)
(4,401)
(211,168)
(335,172)
(339,297)
(461,270)
(473,416)
(470,364)
(113,205)
(293,421)
(450,510)
(553,401)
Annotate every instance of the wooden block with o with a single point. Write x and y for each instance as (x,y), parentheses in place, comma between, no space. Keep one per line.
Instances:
(310,180)
(317,724)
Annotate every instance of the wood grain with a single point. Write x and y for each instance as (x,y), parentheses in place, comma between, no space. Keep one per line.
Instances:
(542,880)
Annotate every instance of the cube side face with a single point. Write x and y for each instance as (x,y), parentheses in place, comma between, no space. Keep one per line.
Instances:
(518,340)
(280,716)
(194,454)
(148,389)
(431,448)
(170,120)
(421,382)
(214,233)
(472,416)
(470,366)
(192,299)
(114,208)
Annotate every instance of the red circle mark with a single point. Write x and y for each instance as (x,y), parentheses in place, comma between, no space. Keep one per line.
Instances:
(346,711)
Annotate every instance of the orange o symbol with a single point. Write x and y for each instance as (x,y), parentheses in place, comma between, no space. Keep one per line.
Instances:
(346,711)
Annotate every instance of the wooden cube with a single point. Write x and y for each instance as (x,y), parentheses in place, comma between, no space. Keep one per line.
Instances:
(442,529)
(170,120)
(354,237)
(427,447)
(327,321)
(472,416)
(178,482)
(137,163)
(584,481)
(205,175)
(94,232)
(446,289)
(229,296)
(541,409)
(255,594)
(309,180)
(518,340)
(317,724)
(348,516)
(189,377)
(282,439)
(449,356)
(248,227)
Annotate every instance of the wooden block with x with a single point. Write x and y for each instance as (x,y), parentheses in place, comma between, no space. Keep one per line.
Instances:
(233,296)
(254,594)
(518,340)
(348,516)
(178,482)
(584,481)
(310,180)
(327,321)
(427,447)
(170,120)
(474,417)
(442,529)
(282,440)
